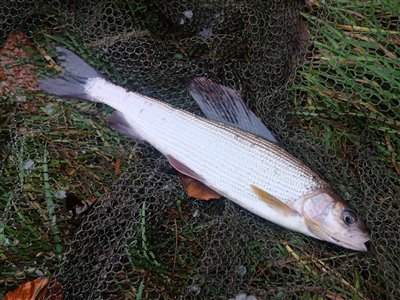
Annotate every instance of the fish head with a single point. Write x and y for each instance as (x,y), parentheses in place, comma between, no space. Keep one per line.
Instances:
(331,219)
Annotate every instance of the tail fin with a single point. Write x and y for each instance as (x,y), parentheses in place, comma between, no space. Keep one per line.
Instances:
(72,83)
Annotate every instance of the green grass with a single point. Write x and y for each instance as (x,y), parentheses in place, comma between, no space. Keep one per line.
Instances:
(347,96)
(52,149)
(349,90)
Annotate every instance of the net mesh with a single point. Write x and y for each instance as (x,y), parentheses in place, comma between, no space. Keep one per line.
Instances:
(322,75)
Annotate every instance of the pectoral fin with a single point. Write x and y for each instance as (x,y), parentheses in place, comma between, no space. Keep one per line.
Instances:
(313,226)
(273,202)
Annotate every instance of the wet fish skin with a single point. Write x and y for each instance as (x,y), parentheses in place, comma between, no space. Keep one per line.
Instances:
(243,167)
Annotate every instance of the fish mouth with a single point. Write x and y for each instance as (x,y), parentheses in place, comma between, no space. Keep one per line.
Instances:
(358,244)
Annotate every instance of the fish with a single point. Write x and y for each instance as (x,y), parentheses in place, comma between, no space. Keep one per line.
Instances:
(230,151)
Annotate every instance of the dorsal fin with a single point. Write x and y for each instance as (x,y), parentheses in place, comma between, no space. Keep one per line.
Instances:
(223,104)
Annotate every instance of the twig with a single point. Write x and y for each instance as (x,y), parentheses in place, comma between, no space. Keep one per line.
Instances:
(372,41)
(392,154)
(303,262)
(176,242)
(49,59)
(319,263)
(326,269)
(110,40)
(365,29)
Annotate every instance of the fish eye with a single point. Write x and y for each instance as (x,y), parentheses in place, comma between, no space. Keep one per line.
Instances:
(349,216)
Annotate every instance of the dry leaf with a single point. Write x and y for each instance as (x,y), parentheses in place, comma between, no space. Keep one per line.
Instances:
(197,189)
(13,73)
(78,206)
(31,290)
(117,166)
(37,289)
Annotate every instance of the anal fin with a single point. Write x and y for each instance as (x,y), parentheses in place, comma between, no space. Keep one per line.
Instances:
(118,122)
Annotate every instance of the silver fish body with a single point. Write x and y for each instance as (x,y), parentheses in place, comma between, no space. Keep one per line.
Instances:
(230,160)
(254,173)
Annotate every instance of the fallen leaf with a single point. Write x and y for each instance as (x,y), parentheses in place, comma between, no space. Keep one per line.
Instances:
(31,290)
(197,189)
(117,166)
(12,73)
(71,172)
(49,59)
(29,106)
(78,206)
(54,292)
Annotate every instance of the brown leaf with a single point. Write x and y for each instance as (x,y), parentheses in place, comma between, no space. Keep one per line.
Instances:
(14,74)
(37,289)
(78,206)
(56,289)
(31,290)
(29,106)
(117,166)
(197,189)
(71,172)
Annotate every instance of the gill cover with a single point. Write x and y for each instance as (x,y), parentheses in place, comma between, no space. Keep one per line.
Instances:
(330,219)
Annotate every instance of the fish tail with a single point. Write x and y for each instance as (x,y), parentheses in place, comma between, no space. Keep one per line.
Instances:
(72,83)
